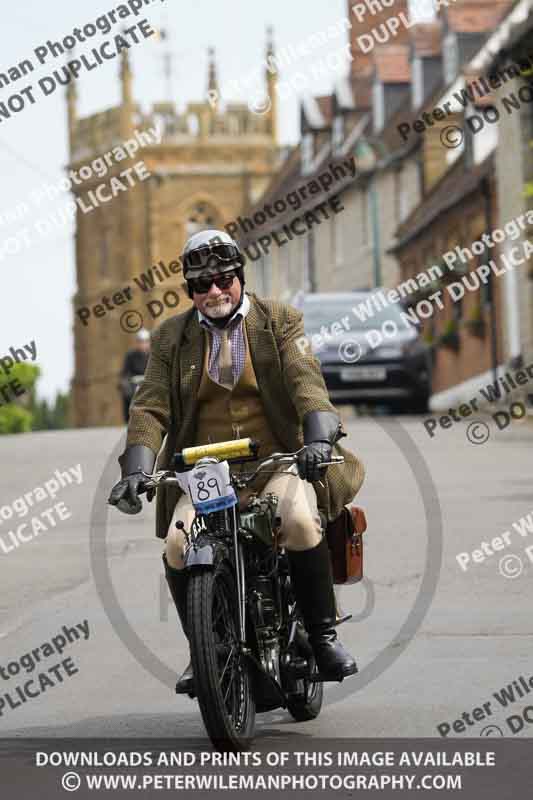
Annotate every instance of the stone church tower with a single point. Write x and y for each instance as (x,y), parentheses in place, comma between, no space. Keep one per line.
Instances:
(208,164)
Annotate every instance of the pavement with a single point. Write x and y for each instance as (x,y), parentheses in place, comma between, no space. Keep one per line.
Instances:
(433,641)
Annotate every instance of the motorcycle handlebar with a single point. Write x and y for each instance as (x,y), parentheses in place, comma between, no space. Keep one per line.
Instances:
(167,477)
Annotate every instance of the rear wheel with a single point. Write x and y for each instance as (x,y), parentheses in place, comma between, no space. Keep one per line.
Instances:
(309,704)
(222,681)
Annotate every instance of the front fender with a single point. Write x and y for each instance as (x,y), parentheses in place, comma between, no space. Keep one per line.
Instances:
(205,552)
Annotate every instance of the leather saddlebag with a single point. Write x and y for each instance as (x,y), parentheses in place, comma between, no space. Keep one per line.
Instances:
(345,541)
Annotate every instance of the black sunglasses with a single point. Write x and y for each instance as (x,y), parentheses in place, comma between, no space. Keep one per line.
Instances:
(203,284)
(201,256)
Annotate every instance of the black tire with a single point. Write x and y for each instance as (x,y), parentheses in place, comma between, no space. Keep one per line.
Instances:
(212,615)
(302,709)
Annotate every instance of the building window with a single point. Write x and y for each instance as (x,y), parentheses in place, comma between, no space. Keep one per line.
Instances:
(451,58)
(200,218)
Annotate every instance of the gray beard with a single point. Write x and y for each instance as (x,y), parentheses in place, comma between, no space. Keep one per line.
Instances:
(221,321)
(221,310)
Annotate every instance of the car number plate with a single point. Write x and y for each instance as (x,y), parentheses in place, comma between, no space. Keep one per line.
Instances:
(363,374)
(210,488)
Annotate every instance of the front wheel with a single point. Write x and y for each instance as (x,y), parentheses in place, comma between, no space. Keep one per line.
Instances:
(222,681)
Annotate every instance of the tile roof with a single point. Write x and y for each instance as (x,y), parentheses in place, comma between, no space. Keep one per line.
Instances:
(476,16)
(291,181)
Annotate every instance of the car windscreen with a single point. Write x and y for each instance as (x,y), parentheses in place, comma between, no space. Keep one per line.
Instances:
(359,314)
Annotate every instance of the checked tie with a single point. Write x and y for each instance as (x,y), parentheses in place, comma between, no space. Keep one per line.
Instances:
(225,370)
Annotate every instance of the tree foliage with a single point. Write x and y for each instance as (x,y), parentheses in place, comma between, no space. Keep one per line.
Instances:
(21,412)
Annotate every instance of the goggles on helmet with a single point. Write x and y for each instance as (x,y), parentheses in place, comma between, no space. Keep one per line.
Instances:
(211,254)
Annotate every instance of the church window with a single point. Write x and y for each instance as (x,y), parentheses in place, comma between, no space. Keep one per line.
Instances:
(200,218)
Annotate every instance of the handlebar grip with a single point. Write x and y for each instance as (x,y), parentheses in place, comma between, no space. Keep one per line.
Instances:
(334,460)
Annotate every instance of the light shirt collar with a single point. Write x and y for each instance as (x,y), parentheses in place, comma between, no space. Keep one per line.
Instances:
(242,311)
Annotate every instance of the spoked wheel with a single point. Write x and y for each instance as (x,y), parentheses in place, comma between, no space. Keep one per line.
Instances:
(222,681)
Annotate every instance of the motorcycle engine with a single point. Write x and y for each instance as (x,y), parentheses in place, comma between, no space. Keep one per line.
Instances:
(264,607)
(265,618)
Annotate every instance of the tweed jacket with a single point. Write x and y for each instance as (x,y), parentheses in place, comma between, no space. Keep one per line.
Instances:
(290,384)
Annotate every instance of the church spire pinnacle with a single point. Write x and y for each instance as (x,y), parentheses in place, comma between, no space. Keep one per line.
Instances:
(72,112)
(212,79)
(272,84)
(127,106)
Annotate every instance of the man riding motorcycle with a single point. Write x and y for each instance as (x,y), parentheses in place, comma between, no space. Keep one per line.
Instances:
(233,366)
(133,369)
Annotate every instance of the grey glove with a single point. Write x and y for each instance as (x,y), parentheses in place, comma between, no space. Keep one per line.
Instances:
(125,494)
(321,430)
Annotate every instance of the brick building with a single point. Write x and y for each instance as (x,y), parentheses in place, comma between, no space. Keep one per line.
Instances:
(414,198)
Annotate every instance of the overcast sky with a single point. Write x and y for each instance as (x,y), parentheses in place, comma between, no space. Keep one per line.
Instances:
(39,281)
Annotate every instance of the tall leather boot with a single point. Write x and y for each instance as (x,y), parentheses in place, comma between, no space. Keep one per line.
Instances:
(312,582)
(177,583)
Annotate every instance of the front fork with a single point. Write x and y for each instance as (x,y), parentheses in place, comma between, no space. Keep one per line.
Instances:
(204,556)
(241,578)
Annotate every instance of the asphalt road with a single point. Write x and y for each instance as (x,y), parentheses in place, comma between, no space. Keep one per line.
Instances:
(418,670)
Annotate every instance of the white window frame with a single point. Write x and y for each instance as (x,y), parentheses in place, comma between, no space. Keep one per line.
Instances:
(417,95)
(378,103)
(451,57)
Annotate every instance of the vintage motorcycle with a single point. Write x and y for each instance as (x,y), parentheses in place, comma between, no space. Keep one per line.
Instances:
(249,648)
